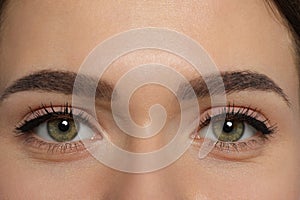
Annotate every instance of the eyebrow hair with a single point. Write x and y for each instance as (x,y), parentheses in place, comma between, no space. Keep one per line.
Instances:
(62,82)
(234,81)
(59,82)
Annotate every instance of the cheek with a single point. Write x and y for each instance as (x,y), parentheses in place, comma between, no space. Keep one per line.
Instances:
(274,175)
(25,178)
(260,186)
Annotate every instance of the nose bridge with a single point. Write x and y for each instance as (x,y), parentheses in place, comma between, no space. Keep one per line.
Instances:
(139,108)
(159,184)
(148,95)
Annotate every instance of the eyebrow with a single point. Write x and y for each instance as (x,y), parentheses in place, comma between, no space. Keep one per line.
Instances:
(233,81)
(63,81)
(59,82)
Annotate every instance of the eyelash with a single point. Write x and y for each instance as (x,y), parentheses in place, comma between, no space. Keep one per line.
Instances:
(43,114)
(241,114)
(231,112)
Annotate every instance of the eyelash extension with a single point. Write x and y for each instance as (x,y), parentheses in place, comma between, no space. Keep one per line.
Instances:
(241,114)
(45,113)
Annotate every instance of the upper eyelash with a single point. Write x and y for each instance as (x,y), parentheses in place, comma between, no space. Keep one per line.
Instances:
(45,113)
(244,114)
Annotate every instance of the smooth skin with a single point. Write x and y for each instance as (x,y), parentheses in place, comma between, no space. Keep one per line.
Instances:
(238,35)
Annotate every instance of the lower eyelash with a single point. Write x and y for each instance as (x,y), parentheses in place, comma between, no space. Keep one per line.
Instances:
(241,146)
(66,147)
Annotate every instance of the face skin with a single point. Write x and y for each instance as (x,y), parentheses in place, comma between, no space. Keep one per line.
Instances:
(238,35)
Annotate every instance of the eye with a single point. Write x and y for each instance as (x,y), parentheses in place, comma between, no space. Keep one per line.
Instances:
(63,129)
(235,128)
(57,129)
(229,131)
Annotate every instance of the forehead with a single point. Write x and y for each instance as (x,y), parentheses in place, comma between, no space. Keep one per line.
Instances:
(62,33)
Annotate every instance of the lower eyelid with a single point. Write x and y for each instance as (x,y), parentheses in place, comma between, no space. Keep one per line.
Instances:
(59,152)
(236,150)
(53,152)
(55,148)
(247,145)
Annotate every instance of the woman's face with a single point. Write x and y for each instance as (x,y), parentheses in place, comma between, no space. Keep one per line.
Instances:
(56,36)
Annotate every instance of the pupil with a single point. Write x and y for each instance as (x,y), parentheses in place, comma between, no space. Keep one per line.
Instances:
(64,125)
(228,126)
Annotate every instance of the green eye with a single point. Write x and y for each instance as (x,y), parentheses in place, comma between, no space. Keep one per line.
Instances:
(228,131)
(62,130)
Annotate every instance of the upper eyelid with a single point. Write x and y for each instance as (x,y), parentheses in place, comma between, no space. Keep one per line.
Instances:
(235,110)
(51,110)
(59,109)
(239,112)
(42,110)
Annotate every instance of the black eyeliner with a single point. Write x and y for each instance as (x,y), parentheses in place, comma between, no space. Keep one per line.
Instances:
(39,117)
(243,114)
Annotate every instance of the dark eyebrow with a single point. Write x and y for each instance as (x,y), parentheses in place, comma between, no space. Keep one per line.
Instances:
(60,82)
(234,81)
